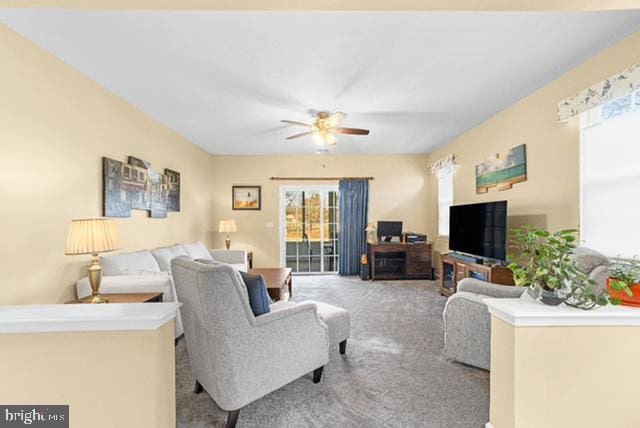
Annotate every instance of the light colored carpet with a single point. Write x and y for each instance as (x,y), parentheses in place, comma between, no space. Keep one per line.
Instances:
(393,375)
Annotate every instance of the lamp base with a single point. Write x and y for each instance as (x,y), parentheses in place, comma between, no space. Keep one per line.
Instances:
(99,299)
(95,278)
(227,242)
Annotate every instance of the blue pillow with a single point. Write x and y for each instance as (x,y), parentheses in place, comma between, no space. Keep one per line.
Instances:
(258,296)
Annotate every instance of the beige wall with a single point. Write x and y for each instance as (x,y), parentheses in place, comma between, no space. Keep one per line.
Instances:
(397,193)
(55,125)
(556,377)
(108,378)
(550,196)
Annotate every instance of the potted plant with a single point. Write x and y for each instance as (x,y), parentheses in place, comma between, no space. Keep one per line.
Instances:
(624,284)
(542,261)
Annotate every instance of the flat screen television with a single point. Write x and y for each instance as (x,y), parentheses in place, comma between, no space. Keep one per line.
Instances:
(479,229)
(389,229)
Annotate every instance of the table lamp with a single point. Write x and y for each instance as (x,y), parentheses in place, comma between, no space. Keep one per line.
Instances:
(372,237)
(93,236)
(227,226)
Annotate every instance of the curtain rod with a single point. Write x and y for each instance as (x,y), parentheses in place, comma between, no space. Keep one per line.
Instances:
(321,178)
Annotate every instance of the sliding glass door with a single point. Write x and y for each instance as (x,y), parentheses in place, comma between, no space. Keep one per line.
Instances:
(309,228)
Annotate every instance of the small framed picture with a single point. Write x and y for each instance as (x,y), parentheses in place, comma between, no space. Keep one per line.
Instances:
(246,198)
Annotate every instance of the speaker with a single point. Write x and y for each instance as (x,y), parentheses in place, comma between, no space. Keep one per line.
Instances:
(365,272)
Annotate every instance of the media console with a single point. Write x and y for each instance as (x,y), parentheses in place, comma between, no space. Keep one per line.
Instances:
(454,269)
(398,260)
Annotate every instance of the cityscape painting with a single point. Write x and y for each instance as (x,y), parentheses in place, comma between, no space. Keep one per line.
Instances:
(502,172)
(135,185)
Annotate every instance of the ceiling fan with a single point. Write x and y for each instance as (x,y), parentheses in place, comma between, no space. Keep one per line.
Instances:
(324,128)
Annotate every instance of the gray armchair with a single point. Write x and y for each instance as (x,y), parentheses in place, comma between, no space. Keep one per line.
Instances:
(467,322)
(237,357)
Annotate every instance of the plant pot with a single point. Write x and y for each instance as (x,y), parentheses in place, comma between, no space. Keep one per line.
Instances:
(551,297)
(624,298)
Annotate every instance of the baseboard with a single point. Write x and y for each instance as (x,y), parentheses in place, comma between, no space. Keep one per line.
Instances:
(488,425)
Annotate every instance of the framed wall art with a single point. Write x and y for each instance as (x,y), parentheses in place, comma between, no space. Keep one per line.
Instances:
(246,198)
(502,171)
(134,185)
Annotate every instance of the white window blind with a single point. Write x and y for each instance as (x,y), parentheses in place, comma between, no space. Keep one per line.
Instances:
(610,177)
(445,198)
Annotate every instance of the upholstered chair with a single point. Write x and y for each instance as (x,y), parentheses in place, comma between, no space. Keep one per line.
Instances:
(238,357)
(467,322)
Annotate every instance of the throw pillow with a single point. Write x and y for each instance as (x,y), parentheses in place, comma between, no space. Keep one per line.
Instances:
(164,256)
(257,290)
(197,250)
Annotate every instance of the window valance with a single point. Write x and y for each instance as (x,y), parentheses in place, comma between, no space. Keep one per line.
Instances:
(444,163)
(611,88)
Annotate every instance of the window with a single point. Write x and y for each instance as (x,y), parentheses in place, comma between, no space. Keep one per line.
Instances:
(610,177)
(445,198)
(309,228)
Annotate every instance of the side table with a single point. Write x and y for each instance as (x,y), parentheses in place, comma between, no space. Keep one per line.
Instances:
(124,298)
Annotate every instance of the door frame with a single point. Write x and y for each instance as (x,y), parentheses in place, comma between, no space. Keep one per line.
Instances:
(283,220)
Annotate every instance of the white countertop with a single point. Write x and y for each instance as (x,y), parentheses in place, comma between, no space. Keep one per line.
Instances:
(87,317)
(530,313)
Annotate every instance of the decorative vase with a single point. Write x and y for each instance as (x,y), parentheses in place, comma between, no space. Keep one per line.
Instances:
(624,298)
(552,297)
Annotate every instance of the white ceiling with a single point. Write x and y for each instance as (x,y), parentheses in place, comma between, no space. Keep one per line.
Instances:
(415,79)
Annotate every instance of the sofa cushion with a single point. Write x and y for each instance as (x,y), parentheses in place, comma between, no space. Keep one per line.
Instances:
(197,250)
(161,282)
(136,263)
(258,296)
(164,255)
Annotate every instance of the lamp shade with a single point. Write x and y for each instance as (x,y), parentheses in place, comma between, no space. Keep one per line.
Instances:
(371,227)
(91,236)
(227,226)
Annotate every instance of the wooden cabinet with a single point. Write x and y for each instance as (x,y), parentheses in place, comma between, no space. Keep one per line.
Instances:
(454,270)
(396,260)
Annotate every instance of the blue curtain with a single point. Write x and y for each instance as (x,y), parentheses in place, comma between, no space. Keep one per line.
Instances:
(352,241)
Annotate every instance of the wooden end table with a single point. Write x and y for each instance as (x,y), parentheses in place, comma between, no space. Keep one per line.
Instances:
(124,298)
(279,282)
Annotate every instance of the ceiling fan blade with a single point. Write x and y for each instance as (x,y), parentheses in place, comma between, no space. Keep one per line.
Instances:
(300,135)
(350,131)
(293,122)
(336,119)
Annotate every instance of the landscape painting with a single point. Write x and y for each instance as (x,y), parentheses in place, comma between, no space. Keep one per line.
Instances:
(502,171)
(246,198)
(135,185)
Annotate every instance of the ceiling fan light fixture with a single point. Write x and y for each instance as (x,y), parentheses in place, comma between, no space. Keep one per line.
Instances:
(323,131)
(330,139)
(318,139)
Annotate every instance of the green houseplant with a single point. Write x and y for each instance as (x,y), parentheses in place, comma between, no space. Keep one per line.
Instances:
(543,261)
(624,283)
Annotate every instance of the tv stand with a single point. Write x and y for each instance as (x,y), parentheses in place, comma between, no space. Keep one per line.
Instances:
(454,269)
(466,258)
(399,260)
